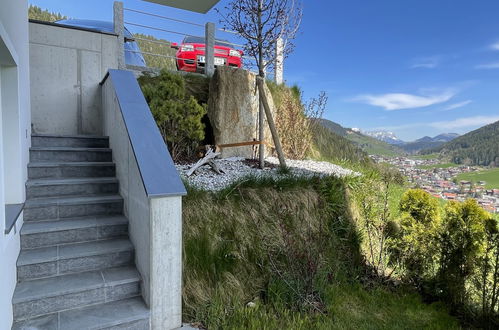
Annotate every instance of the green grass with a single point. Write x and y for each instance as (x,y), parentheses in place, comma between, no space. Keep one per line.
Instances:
(491,177)
(350,306)
(289,246)
(444,165)
(426,157)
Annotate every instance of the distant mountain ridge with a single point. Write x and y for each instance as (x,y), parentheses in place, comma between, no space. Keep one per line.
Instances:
(479,147)
(428,142)
(385,136)
(369,144)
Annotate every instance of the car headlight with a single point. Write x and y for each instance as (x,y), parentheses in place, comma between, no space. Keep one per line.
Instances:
(235,53)
(187,48)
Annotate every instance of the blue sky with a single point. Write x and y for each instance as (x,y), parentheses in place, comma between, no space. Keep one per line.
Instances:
(415,67)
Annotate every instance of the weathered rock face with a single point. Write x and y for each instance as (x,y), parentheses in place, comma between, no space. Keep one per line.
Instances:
(233,111)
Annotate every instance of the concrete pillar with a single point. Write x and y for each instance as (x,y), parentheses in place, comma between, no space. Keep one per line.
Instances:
(210,49)
(279,62)
(166,262)
(119,29)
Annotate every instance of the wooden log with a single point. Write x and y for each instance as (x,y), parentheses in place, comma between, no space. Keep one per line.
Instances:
(215,167)
(205,160)
(270,119)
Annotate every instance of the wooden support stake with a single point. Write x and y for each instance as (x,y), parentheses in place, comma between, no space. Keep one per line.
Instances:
(270,119)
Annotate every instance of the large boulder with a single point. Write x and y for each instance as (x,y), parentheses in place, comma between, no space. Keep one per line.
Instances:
(233,111)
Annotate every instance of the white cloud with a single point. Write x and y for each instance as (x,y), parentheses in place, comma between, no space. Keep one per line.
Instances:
(457,105)
(426,62)
(399,101)
(465,122)
(488,66)
(495,46)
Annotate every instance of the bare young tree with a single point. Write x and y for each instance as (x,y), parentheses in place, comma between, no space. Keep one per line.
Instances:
(262,23)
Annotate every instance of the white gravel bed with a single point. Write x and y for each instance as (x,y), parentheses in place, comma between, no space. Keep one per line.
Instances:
(235,169)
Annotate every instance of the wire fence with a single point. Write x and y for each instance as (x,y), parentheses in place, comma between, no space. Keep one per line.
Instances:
(162,48)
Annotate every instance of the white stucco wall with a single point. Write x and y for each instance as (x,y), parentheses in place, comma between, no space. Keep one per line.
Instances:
(14,138)
(66,68)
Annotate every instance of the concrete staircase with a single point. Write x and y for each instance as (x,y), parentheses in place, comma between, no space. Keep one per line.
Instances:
(76,267)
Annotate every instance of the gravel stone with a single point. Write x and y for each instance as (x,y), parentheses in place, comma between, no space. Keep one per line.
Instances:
(235,168)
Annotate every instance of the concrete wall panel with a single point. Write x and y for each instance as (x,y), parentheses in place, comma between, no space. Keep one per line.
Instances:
(90,68)
(67,67)
(54,89)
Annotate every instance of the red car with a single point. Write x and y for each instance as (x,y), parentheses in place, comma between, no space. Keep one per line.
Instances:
(191,57)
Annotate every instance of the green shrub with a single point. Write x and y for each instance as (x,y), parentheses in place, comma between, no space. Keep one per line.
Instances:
(462,244)
(416,246)
(177,114)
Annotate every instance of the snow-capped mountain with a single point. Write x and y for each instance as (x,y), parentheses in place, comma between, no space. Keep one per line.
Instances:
(385,136)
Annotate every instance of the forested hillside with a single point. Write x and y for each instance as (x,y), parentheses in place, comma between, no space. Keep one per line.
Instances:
(334,147)
(40,14)
(479,147)
(160,47)
(368,144)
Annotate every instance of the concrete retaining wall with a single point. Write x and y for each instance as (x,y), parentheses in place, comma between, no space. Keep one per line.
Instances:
(155,216)
(66,68)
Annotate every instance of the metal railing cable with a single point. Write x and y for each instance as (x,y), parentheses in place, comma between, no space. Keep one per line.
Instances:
(175,32)
(163,17)
(159,41)
(159,29)
(154,54)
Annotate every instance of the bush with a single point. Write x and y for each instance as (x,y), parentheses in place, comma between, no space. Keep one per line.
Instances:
(417,244)
(462,244)
(177,114)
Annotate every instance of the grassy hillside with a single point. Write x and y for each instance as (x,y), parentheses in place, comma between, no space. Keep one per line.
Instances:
(491,177)
(373,146)
(442,165)
(285,254)
(479,147)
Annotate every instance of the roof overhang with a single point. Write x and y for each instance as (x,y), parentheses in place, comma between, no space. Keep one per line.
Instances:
(199,6)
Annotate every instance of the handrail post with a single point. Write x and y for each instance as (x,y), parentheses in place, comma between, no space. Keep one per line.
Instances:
(119,29)
(279,62)
(210,49)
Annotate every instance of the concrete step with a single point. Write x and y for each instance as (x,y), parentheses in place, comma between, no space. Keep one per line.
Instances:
(61,293)
(131,314)
(50,233)
(66,154)
(72,258)
(70,170)
(55,208)
(78,141)
(70,187)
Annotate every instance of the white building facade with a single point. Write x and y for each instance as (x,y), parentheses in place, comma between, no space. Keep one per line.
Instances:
(14,142)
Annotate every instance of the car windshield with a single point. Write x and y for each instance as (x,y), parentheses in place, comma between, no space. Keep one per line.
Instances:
(201,40)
